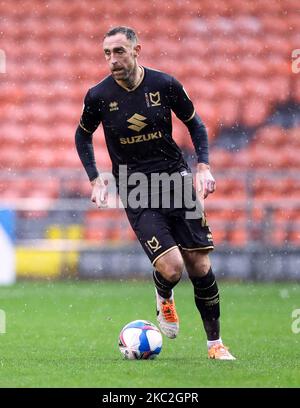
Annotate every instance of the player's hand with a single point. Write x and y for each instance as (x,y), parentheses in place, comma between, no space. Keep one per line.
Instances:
(205,183)
(99,192)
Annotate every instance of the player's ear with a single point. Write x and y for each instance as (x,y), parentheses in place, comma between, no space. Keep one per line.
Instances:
(136,50)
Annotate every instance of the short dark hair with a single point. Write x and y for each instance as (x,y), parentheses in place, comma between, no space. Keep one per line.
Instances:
(127,31)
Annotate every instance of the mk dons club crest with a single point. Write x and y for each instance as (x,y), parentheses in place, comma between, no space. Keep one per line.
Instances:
(153,99)
(154,244)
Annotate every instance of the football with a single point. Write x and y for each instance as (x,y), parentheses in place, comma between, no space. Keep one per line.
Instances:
(140,340)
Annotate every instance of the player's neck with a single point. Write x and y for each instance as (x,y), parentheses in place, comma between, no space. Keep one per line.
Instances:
(134,79)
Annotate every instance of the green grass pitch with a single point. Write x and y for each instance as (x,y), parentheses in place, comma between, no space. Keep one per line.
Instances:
(65,334)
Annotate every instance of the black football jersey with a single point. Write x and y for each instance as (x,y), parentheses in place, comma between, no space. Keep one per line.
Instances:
(137,123)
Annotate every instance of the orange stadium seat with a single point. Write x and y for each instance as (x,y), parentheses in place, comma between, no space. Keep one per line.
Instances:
(12,134)
(207,111)
(293,235)
(254,111)
(292,137)
(238,236)
(295,89)
(67,158)
(229,88)
(181,134)
(99,139)
(40,158)
(274,24)
(241,160)
(290,157)
(263,187)
(75,187)
(253,66)
(220,159)
(281,88)
(257,87)
(12,158)
(200,88)
(278,235)
(271,136)
(227,187)
(106,225)
(286,226)
(267,158)
(63,136)
(41,188)
(218,230)
(229,112)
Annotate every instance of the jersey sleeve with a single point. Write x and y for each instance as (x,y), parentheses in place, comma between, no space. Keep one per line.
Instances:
(181,104)
(91,114)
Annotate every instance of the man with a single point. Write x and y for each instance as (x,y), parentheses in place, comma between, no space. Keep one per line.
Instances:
(134,104)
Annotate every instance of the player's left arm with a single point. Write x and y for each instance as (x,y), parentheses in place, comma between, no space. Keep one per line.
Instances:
(184,109)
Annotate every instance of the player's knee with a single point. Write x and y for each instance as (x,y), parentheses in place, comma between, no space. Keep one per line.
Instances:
(171,267)
(198,264)
(173,272)
(202,267)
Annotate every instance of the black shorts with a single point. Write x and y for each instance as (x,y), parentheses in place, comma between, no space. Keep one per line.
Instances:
(159,230)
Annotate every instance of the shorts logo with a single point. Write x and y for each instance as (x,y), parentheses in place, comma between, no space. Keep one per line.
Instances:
(137,122)
(154,244)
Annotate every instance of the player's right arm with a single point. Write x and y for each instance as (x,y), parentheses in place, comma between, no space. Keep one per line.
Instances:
(89,121)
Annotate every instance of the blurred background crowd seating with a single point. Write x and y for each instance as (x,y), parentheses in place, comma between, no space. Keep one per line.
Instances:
(234,59)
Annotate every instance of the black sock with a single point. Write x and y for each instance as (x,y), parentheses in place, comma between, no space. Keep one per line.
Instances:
(208,303)
(163,286)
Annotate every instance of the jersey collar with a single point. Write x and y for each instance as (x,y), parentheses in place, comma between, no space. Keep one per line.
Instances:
(137,85)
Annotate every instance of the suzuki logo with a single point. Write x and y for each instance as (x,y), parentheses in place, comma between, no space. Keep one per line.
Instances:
(137,123)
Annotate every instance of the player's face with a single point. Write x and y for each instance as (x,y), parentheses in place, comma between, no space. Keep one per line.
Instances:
(121,54)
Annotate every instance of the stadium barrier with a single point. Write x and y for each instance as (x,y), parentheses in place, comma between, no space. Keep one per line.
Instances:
(257,236)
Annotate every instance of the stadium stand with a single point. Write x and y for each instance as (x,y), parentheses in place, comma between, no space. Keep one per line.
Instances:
(234,59)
